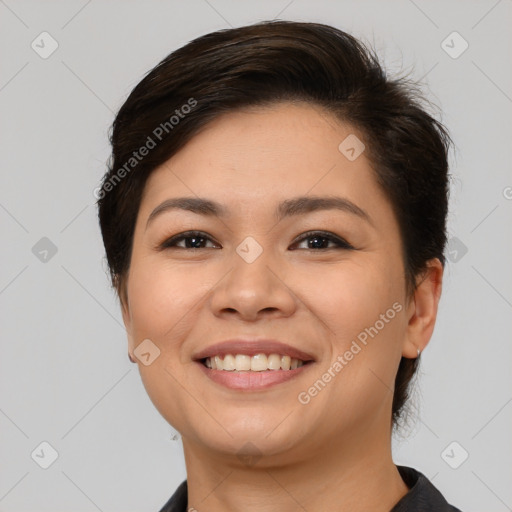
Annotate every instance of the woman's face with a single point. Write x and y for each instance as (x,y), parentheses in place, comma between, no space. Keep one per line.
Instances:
(253,273)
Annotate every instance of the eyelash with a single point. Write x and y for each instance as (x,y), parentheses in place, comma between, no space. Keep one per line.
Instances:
(341,243)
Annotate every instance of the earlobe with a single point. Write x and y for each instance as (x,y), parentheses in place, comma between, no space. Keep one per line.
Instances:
(423,310)
(131,345)
(125,311)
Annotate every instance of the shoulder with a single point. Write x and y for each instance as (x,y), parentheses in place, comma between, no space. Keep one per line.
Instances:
(422,495)
(178,501)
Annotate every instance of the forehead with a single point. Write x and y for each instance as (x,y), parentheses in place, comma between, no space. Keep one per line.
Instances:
(284,149)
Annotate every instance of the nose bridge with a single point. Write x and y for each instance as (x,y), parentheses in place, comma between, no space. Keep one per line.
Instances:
(251,262)
(253,284)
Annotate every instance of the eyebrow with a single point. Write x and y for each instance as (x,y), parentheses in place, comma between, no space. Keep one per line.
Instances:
(289,207)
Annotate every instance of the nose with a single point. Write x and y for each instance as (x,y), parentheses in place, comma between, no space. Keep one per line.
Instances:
(253,290)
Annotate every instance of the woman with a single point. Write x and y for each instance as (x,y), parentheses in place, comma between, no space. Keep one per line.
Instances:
(274,221)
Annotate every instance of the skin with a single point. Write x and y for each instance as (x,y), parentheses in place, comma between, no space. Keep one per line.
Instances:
(335,452)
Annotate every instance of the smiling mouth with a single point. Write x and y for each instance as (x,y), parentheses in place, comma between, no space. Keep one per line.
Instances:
(256,363)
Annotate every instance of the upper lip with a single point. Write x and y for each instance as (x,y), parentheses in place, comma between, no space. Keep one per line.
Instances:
(252,347)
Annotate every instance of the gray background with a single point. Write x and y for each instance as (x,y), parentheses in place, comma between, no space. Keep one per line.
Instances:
(65,375)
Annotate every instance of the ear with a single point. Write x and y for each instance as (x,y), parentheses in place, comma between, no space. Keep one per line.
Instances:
(422,309)
(127,317)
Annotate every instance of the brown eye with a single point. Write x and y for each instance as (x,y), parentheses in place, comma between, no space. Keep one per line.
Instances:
(190,239)
(320,240)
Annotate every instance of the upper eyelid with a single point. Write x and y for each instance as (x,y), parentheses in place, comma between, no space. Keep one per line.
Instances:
(335,238)
(188,234)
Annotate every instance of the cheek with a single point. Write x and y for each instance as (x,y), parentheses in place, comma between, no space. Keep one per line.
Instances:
(160,296)
(353,297)
(161,300)
(364,310)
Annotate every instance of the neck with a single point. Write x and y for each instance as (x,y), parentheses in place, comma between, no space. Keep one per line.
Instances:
(345,476)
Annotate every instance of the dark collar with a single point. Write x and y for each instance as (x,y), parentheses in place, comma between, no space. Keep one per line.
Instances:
(422,496)
(178,501)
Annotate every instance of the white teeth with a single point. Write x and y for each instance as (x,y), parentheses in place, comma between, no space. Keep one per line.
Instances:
(242,362)
(259,363)
(228,363)
(256,363)
(274,362)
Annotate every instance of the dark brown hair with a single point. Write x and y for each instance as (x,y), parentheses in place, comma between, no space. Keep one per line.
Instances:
(267,63)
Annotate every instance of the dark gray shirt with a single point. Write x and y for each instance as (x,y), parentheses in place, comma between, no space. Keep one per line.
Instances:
(422,496)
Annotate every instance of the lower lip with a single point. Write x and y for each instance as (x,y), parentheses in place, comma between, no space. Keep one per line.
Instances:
(249,380)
